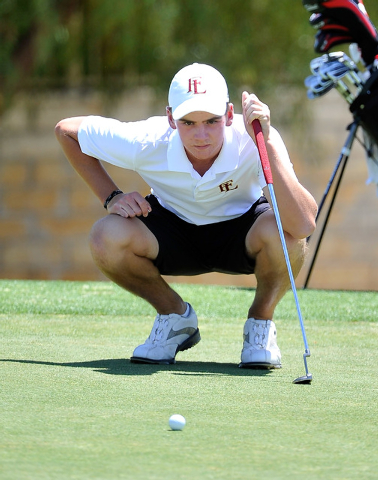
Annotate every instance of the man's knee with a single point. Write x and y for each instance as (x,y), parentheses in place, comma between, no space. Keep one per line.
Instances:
(99,235)
(107,235)
(114,233)
(264,237)
(265,231)
(263,234)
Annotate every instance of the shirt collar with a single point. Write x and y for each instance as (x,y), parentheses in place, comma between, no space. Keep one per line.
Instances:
(176,156)
(228,158)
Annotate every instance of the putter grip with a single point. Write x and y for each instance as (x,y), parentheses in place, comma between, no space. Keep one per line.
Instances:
(262,151)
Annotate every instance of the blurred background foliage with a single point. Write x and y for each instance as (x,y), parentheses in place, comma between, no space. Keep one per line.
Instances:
(119,44)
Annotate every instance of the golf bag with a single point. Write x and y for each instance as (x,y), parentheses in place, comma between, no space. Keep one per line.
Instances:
(365,106)
(365,111)
(347,21)
(338,22)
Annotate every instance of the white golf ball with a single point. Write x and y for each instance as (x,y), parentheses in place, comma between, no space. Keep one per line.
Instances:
(177,422)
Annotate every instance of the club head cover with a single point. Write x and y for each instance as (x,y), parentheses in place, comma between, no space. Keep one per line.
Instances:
(320,22)
(351,14)
(325,40)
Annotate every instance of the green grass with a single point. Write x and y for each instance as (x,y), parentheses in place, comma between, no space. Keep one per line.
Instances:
(73,407)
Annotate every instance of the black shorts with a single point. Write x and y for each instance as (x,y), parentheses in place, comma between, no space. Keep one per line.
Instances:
(188,249)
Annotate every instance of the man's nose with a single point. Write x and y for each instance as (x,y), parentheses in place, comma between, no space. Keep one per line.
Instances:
(201,131)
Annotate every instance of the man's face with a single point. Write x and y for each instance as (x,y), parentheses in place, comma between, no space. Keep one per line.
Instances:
(202,134)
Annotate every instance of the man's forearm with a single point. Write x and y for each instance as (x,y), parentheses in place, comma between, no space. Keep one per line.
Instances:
(297,206)
(90,169)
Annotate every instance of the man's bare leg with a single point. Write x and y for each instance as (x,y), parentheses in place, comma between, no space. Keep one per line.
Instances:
(124,250)
(260,349)
(264,244)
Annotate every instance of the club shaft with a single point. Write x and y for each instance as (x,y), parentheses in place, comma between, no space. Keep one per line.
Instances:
(264,158)
(288,264)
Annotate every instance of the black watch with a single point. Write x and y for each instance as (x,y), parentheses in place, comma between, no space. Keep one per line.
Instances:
(110,197)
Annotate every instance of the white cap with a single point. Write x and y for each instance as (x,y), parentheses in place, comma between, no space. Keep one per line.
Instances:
(198,88)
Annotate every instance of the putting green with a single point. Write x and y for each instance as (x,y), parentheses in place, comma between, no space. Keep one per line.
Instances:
(74,407)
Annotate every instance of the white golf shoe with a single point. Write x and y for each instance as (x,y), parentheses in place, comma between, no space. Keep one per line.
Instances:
(170,334)
(260,348)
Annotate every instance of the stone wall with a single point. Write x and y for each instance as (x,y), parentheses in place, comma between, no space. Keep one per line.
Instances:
(46,211)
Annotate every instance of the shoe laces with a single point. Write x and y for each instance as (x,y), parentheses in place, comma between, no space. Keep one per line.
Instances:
(260,337)
(157,333)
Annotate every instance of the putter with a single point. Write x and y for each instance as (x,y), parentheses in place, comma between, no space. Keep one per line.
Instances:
(305,379)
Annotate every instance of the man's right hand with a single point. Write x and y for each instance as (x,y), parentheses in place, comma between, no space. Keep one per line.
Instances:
(129,205)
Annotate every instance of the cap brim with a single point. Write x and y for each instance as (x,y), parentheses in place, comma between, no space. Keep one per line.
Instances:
(215,107)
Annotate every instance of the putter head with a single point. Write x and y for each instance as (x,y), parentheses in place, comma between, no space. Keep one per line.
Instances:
(305,380)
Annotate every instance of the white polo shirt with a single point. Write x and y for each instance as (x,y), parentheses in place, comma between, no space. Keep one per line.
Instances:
(154,150)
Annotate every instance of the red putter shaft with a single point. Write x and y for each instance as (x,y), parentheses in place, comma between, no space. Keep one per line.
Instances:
(262,151)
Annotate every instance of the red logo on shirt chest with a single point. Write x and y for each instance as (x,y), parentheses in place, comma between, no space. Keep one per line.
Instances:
(227,186)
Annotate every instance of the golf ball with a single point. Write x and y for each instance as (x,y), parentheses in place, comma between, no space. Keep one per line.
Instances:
(177,422)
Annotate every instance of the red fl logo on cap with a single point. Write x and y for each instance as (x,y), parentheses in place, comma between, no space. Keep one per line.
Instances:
(195,85)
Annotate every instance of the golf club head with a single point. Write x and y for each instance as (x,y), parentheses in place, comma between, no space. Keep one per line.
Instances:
(311,80)
(336,75)
(343,68)
(348,62)
(317,62)
(334,55)
(354,74)
(333,71)
(305,380)
(316,86)
(312,95)
(355,53)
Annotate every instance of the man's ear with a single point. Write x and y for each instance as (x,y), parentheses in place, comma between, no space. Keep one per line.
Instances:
(172,123)
(229,114)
